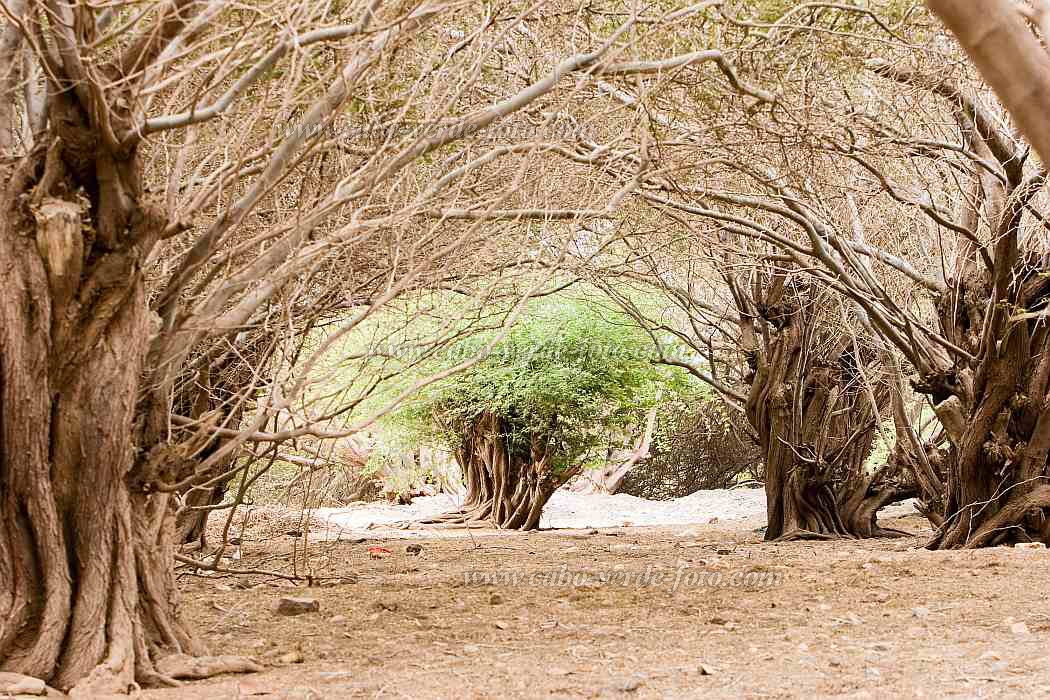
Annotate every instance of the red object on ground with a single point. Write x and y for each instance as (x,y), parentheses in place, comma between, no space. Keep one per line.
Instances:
(378,552)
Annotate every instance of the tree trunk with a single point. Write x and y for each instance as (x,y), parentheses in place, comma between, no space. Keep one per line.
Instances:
(88,599)
(998,421)
(191,524)
(815,418)
(506,488)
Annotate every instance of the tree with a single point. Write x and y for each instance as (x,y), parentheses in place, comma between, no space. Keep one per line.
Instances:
(540,408)
(910,199)
(755,204)
(180,175)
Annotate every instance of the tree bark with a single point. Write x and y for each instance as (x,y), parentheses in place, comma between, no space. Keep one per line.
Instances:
(506,487)
(814,418)
(88,599)
(998,422)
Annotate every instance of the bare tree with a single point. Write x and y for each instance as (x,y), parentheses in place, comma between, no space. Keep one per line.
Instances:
(911,199)
(181,183)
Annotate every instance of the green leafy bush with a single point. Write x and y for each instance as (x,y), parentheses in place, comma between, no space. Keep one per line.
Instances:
(570,373)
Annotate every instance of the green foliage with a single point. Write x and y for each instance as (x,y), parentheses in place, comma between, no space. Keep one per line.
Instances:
(566,377)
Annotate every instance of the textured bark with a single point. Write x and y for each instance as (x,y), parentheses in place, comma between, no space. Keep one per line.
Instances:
(506,488)
(996,415)
(87,595)
(814,417)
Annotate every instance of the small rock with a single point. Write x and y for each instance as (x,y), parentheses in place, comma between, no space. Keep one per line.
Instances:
(631,684)
(1029,545)
(920,612)
(500,625)
(705,670)
(385,605)
(297,606)
(339,620)
(414,549)
(624,548)
(882,646)
(1020,629)
(496,599)
(17,684)
(291,657)
(712,521)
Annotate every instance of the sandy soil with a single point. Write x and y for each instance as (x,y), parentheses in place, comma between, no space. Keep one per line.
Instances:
(566,510)
(573,510)
(745,618)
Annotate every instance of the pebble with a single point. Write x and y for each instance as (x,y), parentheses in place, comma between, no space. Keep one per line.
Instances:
(297,606)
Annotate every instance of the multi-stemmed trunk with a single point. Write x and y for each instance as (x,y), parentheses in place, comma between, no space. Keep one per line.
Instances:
(87,593)
(816,412)
(507,487)
(996,413)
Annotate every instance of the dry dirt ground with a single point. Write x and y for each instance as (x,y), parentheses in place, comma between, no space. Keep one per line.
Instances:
(746,619)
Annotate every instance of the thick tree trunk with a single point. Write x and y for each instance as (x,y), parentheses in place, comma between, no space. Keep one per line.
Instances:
(505,488)
(816,418)
(993,405)
(87,595)
(998,420)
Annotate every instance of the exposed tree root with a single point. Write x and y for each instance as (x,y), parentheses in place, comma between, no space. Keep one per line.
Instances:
(1009,520)
(183,666)
(797,535)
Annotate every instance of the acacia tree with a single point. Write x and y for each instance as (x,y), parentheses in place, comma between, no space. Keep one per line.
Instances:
(180,174)
(539,409)
(910,198)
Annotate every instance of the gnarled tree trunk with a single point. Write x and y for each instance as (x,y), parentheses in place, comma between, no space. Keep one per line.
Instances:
(816,416)
(87,594)
(506,487)
(996,415)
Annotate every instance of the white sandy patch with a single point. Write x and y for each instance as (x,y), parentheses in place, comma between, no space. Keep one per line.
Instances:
(567,510)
